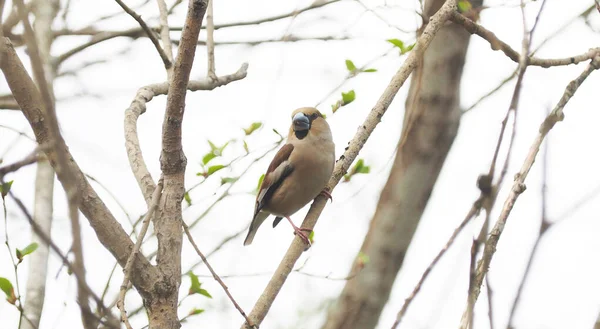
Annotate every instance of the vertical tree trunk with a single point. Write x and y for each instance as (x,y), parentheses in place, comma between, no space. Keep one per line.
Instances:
(429,128)
(38,261)
(45,11)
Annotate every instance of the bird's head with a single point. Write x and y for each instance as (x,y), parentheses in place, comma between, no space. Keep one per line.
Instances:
(308,121)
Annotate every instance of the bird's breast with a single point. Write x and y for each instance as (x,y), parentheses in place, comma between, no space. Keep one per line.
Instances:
(312,170)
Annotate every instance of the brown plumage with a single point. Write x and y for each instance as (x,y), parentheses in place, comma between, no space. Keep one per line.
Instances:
(298,172)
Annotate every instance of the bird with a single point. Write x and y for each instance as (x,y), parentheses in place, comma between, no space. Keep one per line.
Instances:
(297,174)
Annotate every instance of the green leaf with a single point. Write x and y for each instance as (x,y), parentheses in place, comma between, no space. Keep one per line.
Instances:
(370,70)
(217,150)
(26,251)
(311,237)
(195,311)
(214,169)
(205,293)
(221,149)
(187,198)
(8,289)
(464,6)
(5,188)
(350,66)
(207,157)
(252,128)
(348,97)
(226,180)
(212,145)
(400,44)
(407,49)
(396,42)
(260,180)
(358,168)
(246,147)
(195,284)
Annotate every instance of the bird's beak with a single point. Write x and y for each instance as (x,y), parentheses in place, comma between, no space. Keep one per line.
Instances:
(300,122)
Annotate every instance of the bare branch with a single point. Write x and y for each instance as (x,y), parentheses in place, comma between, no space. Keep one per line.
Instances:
(492,92)
(109,231)
(519,184)
(80,280)
(33,157)
(472,213)
(544,226)
(268,296)
(314,5)
(210,42)
(164,34)
(8,102)
(149,33)
(136,248)
(498,44)
(138,107)
(215,275)
(162,307)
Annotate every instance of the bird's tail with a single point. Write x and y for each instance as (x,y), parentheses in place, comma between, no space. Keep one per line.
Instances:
(258,219)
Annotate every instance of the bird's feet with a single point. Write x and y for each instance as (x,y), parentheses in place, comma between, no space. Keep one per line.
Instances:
(326,194)
(299,231)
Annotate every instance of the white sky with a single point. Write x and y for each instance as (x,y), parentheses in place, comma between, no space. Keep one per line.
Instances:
(562,291)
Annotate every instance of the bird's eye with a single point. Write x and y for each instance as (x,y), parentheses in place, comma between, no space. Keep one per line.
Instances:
(314,116)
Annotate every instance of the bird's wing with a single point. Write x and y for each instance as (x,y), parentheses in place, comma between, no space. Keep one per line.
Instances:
(278,170)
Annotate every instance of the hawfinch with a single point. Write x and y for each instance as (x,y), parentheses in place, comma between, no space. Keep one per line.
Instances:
(298,173)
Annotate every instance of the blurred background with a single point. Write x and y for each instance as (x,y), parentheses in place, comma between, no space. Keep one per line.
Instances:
(309,58)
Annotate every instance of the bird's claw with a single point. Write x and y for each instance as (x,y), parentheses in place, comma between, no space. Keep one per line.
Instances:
(326,194)
(300,233)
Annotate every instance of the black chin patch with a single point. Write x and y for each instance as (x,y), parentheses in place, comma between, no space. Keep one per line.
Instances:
(301,134)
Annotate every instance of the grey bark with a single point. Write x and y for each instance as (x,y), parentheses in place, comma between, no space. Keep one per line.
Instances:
(429,128)
(38,261)
(45,12)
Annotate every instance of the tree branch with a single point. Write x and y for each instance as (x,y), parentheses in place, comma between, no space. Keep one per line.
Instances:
(33,157)
(498,44)
(210,42)
(268,296)
(215,275)
(8,102)
(165,58)
(138,107)
(519,184)
(164,34)
(472,213)
(108,230)
(136,248)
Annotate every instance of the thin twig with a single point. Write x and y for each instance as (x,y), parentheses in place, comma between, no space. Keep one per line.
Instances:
(164,34)
(467,320)
(210,42)
(81,280)
(136,248)
(472,213)
(166,61)
(492,92)
(498,44)
(519,184)
(544,226)
(216,276)
(32,158)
